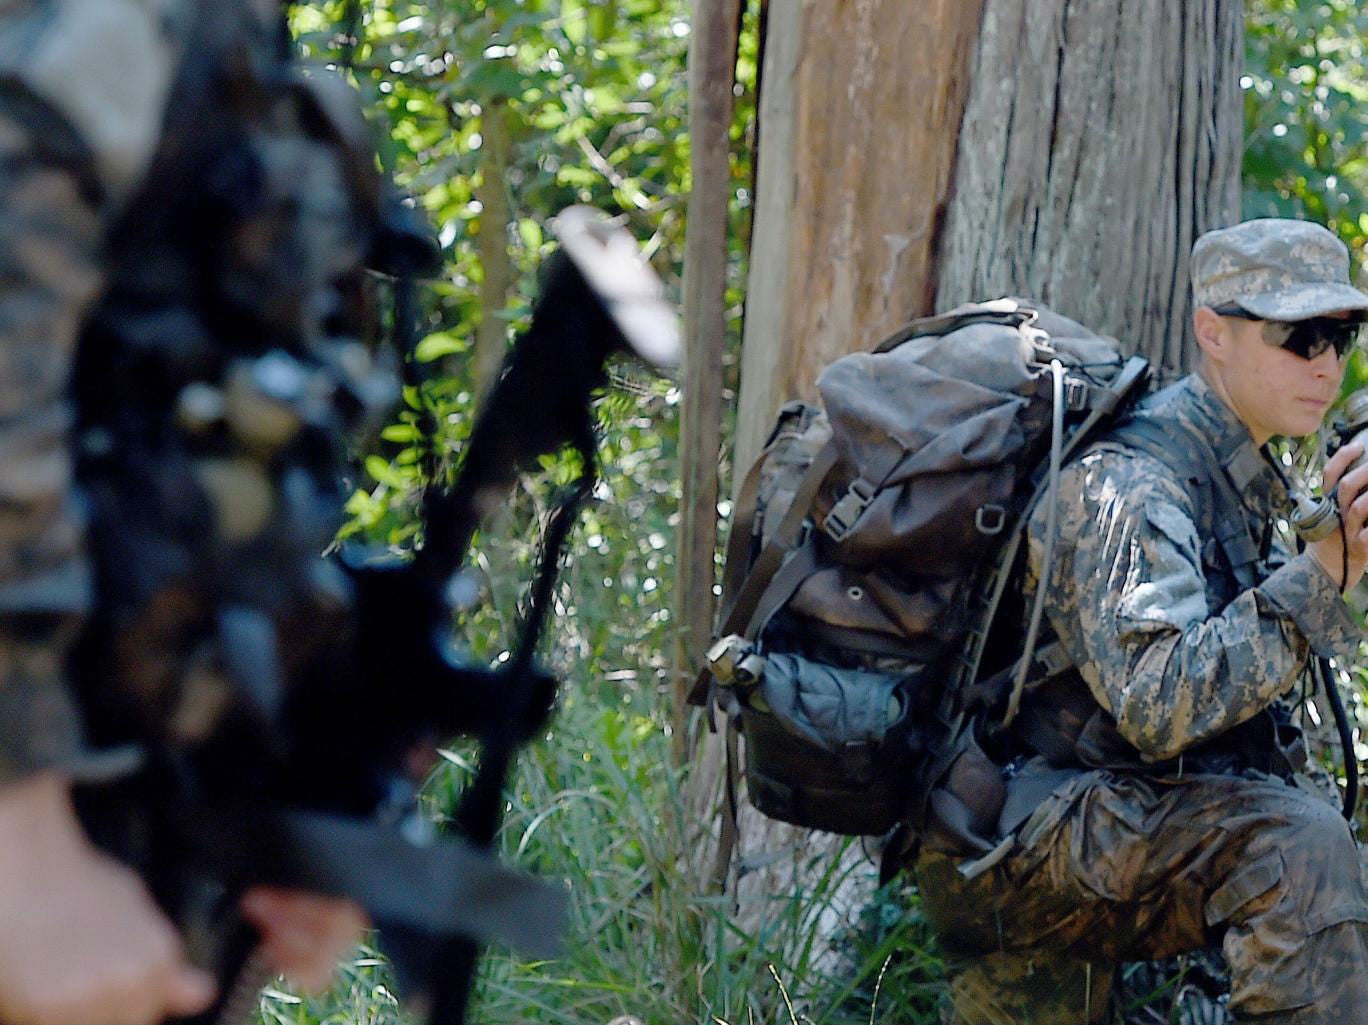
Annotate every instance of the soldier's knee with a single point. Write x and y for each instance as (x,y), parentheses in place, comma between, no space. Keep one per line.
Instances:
(1318,850)
(1020,989)
(1299,863)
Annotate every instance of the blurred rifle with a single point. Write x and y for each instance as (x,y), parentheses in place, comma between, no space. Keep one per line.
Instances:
(598,297)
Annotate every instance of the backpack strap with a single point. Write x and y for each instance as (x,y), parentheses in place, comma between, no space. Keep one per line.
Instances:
(787,537)
(741,537)
(1223,523)
(1007,312)
(986,597)
(729,829)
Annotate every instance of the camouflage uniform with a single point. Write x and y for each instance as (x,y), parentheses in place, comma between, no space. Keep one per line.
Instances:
(1184,820)
(83,87)
(184,311)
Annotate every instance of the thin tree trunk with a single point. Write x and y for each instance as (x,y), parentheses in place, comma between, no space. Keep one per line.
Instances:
(712,63)
(496,217)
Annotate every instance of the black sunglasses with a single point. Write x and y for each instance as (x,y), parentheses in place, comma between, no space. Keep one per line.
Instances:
(1305,338)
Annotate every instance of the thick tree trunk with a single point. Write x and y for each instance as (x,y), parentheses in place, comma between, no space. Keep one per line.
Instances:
(1100,139)
(860,106)
(858,119)
(918,155)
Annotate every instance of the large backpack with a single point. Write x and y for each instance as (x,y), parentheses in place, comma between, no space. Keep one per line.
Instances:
(871,551)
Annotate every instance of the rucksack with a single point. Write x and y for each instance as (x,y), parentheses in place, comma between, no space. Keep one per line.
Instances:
(870,553)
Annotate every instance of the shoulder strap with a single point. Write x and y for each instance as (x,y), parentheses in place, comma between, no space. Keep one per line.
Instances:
(986,597)
(740,615)
(1222,513)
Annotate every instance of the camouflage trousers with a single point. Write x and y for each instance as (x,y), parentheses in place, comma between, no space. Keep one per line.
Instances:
(1113,868)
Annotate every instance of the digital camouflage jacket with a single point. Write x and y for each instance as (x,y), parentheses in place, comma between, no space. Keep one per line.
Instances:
(83,87)
(1173,655)
(185,342)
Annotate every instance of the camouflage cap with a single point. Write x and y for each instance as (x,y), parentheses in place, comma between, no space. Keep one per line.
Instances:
(1276,269)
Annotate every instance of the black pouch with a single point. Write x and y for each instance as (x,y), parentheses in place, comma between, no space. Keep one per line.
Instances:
(830,748)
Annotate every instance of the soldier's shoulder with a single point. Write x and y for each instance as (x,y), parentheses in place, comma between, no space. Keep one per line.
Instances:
(1113,466)
(99,70)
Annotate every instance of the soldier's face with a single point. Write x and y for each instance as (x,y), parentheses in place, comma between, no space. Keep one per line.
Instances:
(1274,391)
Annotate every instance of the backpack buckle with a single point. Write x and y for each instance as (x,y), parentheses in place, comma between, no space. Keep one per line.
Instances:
(734,662)
(1076,393)
(844,514)
(1053,659)
(990,519)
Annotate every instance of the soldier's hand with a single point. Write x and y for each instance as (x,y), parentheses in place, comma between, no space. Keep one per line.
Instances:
(303,935)
(81,940)
(1351,491)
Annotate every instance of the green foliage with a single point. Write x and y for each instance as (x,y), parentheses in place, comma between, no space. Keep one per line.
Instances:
(1306,155)
(1306,114)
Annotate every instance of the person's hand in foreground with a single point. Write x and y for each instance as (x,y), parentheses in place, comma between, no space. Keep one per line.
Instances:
(82,941)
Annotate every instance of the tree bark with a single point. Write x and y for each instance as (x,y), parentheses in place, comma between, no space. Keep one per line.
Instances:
(496,218)
(1100,139)
(858,118)
(918,155)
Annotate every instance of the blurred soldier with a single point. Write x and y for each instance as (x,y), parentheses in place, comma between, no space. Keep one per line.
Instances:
(1179,812)
(96,96)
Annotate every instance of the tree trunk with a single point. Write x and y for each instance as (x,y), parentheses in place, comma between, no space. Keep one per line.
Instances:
(858,118)
(1100,139)
(712,68)
(496,220)
(918,155)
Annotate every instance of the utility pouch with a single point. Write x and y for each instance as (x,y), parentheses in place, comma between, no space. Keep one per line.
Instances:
(826,746)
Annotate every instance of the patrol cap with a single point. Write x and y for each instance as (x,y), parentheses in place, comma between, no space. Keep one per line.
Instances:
(1276,269)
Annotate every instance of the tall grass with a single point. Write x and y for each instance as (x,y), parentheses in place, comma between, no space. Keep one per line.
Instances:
(599,809)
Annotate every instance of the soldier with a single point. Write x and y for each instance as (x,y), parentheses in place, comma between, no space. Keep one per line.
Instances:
(85,90)
(1179,810)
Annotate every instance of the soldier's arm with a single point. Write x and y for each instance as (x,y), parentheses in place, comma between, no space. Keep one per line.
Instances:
(83,88)
(80,937)
(50,229)
(1133,612)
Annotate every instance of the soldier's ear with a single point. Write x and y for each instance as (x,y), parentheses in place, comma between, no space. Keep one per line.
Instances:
(1212,333)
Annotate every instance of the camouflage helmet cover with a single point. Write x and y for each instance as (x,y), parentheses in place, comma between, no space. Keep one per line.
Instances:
(1276,269)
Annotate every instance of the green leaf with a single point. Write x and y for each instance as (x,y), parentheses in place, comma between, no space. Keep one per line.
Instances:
(439,344)
(382,472)
(531,233)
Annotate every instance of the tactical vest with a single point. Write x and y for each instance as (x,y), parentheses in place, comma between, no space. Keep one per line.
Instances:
(1060,718)
(216,382)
